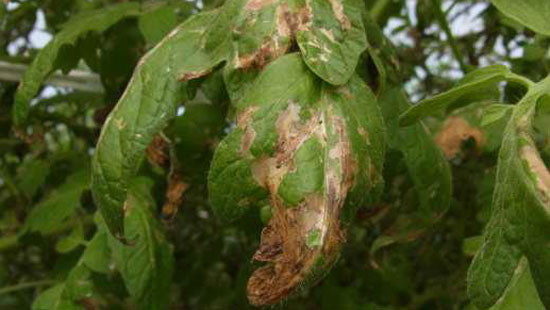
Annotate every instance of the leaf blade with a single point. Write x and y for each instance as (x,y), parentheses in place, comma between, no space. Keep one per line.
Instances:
(44,63)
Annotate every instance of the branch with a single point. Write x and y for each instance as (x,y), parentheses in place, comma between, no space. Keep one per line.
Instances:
(442,18)
(76,79)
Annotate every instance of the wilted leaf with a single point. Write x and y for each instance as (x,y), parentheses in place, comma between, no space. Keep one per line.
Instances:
(520,219)
(534,14)
(146,265)
(192,50)
(44,63)
(311,151)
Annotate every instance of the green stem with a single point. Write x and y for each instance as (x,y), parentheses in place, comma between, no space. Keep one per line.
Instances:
(518,79)
(23,286)
(442,18)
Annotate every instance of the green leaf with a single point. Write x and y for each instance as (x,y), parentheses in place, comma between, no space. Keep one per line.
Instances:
(59,205)
(31,175)
(44,63)
(147,264)
(72,241)
(426,164)
(51,299)
(471,83)
(157,23)
(69,295)
(520,219)
(494,113)
(97,256)
(331,37)
(311,151)
(534,14)
(521,292)
(192,50)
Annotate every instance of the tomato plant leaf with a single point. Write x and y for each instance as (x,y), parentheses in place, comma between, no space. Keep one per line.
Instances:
(521,292)
(52,299)
(72,241)
(520,219)
(426,164)
(50,213)
(535,14)
(312,152)
(331,37)
(471,83)
(146,264)
(44,63)
(190,51)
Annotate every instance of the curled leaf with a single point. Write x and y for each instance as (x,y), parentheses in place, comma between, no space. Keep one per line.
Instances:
(471,84)
(313,153)
(190,51)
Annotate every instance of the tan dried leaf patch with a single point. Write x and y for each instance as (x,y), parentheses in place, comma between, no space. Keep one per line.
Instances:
(455,131)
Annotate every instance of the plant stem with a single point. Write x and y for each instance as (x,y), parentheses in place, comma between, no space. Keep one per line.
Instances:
(512,77)
(442,18)
(23,286)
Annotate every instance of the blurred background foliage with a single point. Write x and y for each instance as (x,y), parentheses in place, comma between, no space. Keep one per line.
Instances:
(388,262)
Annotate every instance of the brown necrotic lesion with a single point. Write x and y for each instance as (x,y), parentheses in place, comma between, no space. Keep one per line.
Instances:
(292,260)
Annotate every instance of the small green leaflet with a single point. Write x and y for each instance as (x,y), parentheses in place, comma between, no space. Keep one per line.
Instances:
(470,84)
(312,152)
(146,265)
(190,51)
(77,287)
(534,14)
(59,205)
(52,299)
(44,63)
(520,219)
(31,175)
